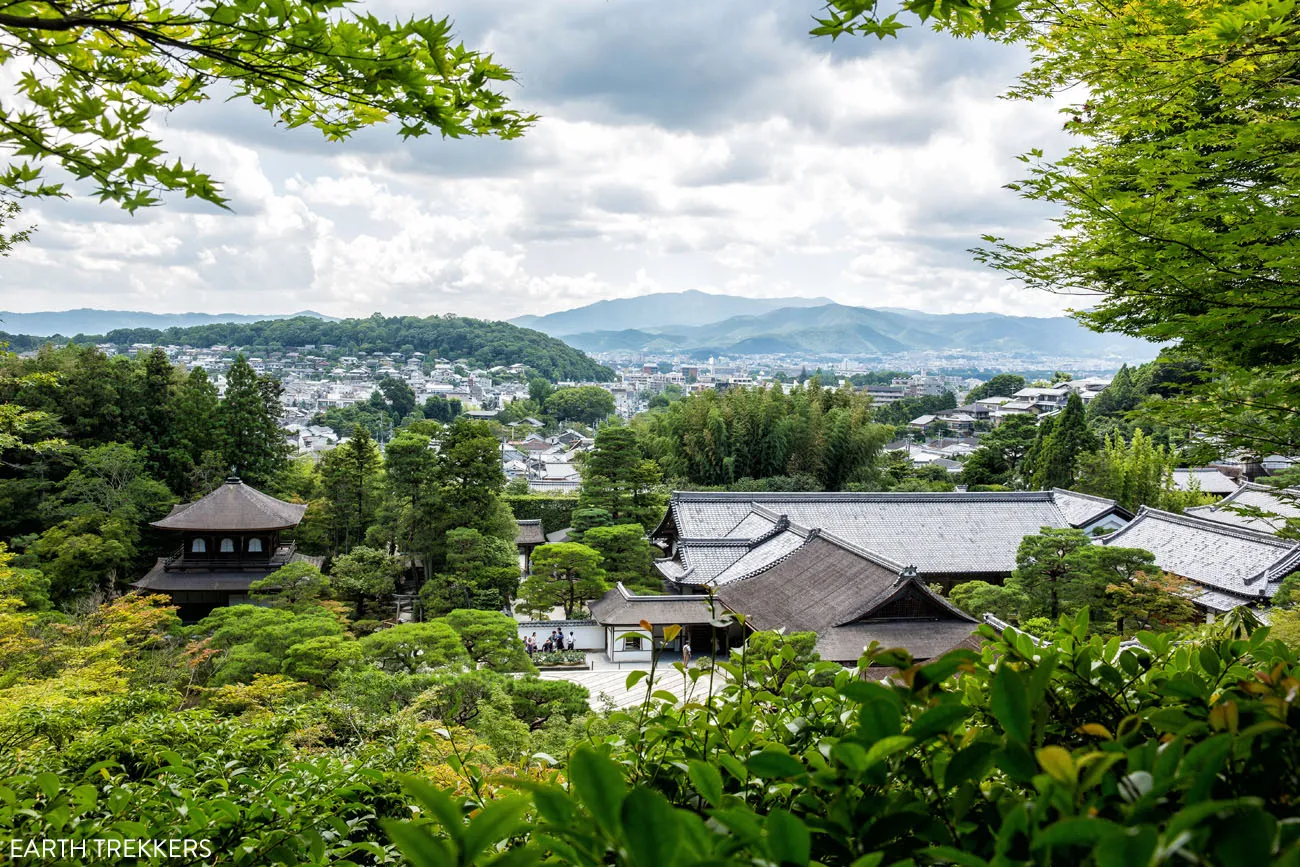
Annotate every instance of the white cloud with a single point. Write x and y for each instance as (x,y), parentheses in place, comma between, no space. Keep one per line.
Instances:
(681,148)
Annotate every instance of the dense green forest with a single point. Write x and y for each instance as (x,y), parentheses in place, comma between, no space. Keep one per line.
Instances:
(483,343)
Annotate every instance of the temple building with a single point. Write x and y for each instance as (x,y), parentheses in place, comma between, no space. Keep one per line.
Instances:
(1228,564)
(854,568)
(714,539)
(227,540)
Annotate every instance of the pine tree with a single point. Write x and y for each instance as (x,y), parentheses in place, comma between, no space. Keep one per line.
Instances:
(617,478)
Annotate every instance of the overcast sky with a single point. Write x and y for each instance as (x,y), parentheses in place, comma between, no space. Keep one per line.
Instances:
(684,144)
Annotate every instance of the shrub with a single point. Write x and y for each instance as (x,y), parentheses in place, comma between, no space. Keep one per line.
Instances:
(560,657)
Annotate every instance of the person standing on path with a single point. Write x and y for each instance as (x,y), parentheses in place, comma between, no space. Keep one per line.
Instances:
(686,654)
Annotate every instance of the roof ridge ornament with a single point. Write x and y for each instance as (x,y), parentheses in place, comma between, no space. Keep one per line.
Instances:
(233,478)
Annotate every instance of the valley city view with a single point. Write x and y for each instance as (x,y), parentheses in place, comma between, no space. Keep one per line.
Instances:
(615,432)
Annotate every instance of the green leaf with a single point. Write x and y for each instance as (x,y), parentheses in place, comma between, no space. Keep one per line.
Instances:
(1059,764)
(634,678)
(942,668)
(1016,762)
(418,844)
(496,822)
(1075,832)
(886,747)
(48,784)
(1010,704)
(1128,846)
(599,785)
(937,720)
(788,839)
(651,828)
(1209,660)
(437,804)
(949,855)
(851,755)
(707,781)
(773,764)
(971,763)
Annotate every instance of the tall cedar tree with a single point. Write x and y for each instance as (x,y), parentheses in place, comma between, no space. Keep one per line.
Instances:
(411,474)
(249,419)
(471,480)
(351,484)
(194,412)
(1069,439)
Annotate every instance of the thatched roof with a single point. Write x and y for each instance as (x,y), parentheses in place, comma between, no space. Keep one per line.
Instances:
(530,532)
(233,507)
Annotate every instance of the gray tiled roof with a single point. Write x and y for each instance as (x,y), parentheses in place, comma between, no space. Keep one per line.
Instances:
(1081,509)
(938,533)
(751,526)
(1257,507)
(234,507)
(760,557)
(162,581)
(1205,479)
(1219,557)
(618,607)
(706,559)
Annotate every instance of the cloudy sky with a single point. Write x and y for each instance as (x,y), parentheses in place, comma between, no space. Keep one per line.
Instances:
(685,144)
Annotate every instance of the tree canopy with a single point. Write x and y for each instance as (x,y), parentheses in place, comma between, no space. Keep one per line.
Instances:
(93,76)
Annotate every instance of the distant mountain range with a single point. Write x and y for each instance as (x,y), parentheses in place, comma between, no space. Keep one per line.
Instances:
(87,320)
(818,327)
(662,309)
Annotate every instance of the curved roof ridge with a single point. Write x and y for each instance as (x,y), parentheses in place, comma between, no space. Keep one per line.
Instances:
(1208,525)
(780,526)
(894,591)
(757,499)
(233,506)
(1254,487)
(753,573)
(1083,496)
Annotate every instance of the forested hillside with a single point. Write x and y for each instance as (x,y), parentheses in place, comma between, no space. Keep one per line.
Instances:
(484,343)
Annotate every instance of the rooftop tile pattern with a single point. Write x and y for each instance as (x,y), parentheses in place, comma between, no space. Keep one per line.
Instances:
(1234,560)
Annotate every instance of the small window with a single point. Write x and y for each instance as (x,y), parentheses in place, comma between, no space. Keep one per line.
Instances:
(255,546)
(199,546)
(227,546)
(631,642)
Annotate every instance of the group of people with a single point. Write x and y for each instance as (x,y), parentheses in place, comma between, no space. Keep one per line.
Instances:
(554,642)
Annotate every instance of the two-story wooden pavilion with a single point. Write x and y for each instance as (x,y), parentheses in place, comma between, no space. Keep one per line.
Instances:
(228,540)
